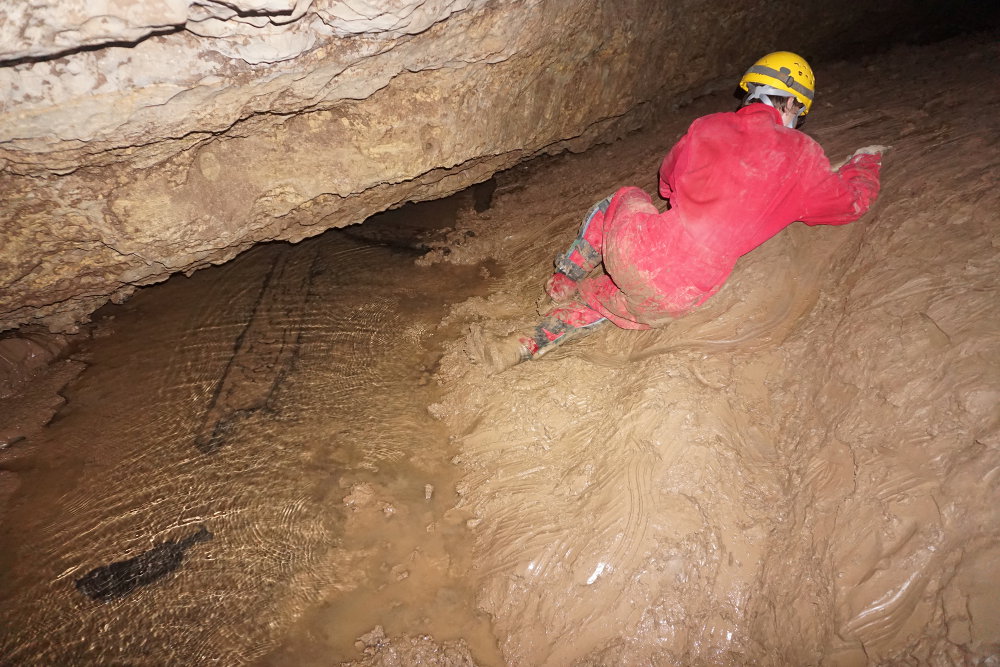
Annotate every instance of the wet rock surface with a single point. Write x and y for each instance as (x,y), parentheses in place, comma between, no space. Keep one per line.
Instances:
(33,373)
(25,355)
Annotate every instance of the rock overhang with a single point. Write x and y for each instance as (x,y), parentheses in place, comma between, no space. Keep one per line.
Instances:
(138,141)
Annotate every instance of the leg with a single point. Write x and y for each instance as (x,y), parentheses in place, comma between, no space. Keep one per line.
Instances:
(583,255)
(653,269)
(559,325)
(606,298)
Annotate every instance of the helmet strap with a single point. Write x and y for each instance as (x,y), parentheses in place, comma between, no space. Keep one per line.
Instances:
(760,92)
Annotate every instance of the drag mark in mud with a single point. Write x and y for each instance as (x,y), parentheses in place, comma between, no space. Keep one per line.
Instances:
(263,353)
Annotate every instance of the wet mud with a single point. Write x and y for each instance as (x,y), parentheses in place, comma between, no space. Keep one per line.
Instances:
(264,350)
(280,402)
(806,470)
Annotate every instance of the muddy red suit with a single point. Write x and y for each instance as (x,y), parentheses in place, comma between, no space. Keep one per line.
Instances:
(734,180)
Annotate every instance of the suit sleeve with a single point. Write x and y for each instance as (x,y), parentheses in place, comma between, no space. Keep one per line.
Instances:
(838,197)
(669,165)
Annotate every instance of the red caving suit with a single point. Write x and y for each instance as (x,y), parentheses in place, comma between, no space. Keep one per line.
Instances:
(734,180)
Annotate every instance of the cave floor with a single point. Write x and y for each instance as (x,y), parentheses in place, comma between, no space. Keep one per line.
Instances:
(279,401)
(806,470)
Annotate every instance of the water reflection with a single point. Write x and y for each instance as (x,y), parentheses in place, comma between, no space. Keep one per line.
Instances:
(278,400)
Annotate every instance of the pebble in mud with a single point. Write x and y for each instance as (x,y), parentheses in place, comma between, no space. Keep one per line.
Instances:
(382,651)
(362,494)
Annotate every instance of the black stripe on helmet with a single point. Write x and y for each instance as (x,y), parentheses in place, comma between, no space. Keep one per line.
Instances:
(784,76)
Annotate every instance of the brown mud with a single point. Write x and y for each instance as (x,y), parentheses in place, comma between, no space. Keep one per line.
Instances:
(280,402)
(804,471)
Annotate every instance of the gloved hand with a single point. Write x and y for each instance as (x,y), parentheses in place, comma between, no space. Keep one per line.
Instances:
(559,287)
(874,149)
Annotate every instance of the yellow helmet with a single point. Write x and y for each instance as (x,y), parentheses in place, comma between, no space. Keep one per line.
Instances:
(785,71)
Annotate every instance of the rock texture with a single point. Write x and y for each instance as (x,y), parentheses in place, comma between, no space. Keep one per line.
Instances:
(142,139)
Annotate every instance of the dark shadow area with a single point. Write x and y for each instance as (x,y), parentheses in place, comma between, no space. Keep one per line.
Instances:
(410,227)
(926,22)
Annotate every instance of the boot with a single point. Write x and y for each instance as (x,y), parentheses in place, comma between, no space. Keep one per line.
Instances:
(497,355)
(582,257)
(557,327)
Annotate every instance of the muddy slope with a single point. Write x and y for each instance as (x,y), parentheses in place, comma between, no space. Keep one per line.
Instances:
(804,471)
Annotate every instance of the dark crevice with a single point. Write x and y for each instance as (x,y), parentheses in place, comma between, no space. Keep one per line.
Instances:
(124,44)
(259,13)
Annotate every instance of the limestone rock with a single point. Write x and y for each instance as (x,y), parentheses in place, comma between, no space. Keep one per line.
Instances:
(138,140)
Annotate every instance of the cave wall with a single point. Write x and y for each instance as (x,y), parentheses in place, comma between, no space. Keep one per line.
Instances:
(138,140)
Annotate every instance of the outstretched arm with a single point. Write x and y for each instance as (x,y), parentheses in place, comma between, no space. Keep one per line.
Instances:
(842,195)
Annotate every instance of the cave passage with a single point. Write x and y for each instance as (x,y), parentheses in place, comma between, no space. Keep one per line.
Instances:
(280,402)
(806,470)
